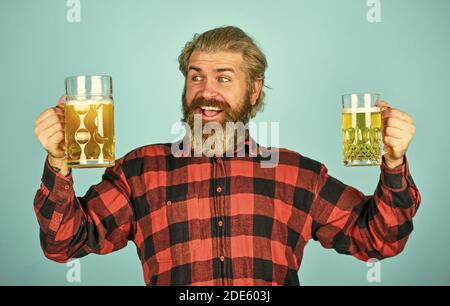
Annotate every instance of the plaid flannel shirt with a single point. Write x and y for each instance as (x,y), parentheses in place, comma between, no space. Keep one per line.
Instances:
(223,221)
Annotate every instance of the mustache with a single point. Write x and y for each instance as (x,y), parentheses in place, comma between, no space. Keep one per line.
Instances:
(201,101)
(240,113)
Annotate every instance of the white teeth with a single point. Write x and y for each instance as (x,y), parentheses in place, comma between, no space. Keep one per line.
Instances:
(211,108)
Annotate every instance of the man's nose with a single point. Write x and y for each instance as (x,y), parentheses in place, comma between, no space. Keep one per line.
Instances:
(209,90)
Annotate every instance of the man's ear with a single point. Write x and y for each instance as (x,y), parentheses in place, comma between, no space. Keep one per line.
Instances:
(256,90)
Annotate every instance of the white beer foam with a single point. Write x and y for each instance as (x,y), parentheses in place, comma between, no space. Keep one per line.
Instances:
(90,102)
(361,110)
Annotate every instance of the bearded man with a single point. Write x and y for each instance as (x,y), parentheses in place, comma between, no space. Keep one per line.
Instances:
(213,215)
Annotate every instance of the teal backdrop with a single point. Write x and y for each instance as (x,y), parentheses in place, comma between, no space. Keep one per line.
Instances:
(316,49)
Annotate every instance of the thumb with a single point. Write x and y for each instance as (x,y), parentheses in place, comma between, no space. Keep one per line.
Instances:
(383,105)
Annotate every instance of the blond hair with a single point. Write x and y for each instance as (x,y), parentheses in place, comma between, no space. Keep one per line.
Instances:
(233,39)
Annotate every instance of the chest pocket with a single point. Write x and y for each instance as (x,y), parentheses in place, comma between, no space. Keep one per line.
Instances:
(181,235)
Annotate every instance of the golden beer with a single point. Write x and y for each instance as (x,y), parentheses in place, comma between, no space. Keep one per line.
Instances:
(361,136)
(89,133)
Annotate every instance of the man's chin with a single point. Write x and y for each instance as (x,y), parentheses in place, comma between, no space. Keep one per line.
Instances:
(214,121)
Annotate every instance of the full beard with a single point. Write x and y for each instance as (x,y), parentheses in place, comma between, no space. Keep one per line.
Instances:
(216,137)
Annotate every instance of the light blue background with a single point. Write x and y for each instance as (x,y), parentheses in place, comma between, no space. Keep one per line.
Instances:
(317,50)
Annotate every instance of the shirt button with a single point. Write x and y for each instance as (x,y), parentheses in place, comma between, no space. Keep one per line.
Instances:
(66,187)
(169,203)
(220,223)
(222,258)
(219,189)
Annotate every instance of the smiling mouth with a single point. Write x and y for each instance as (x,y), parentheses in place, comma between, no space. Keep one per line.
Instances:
(210,112)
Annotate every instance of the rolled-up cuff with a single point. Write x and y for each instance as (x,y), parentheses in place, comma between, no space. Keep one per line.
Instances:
(395,178)
(55,181)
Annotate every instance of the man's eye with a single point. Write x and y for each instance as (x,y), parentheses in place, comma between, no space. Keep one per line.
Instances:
(224,79)
(196,78)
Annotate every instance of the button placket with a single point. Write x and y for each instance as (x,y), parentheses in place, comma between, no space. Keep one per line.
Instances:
(219,173)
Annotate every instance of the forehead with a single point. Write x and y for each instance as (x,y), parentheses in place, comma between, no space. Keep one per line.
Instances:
(218,59)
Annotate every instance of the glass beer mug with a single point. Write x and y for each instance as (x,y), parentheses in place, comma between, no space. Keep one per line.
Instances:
(361,130)
(89,121)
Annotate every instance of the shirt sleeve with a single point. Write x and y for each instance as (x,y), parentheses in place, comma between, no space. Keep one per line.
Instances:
(352,223)
(99,222)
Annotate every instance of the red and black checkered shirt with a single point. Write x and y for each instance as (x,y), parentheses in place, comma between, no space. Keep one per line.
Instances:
(223,221)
